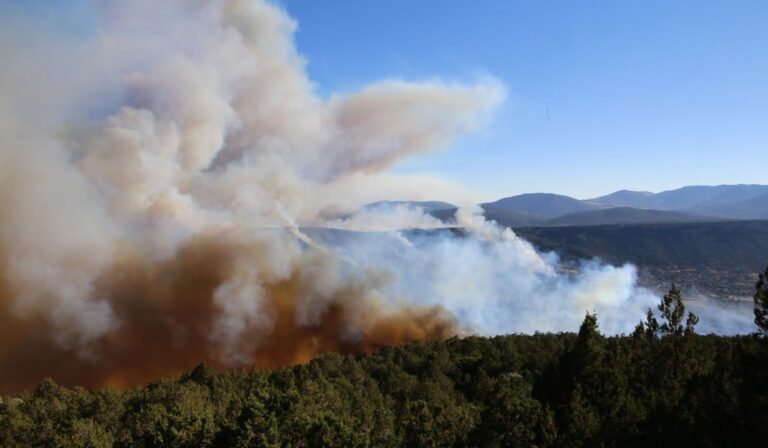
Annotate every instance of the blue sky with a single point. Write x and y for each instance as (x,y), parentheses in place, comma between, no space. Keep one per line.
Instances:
(602,95)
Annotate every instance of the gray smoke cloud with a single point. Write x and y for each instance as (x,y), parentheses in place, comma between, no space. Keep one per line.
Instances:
(181,128)
(496,282)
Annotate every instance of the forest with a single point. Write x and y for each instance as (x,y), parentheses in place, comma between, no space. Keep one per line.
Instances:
(662,385)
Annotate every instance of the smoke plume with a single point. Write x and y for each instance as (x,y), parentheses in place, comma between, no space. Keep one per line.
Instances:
(157,174)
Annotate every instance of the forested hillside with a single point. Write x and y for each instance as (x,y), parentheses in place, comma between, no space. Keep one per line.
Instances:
(540,390)
(742,244)
(719,258)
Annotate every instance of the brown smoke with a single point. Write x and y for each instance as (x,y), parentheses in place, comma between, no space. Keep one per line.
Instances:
(165,315)
(154,172)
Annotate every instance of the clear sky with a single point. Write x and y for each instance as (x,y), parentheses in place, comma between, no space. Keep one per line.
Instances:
(602,95)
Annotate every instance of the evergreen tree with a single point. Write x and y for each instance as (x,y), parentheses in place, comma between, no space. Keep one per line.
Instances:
(585,375)
(672,310)
(761,304)
(649,328)
(588,332)
(690,323)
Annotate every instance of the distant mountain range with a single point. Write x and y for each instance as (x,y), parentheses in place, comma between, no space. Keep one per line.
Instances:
(626,215)
(686,204)
(542,205)
(711,239)
(727,201)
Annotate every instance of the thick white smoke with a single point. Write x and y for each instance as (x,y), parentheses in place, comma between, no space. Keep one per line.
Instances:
(194,120)
(494,281)
(172,120)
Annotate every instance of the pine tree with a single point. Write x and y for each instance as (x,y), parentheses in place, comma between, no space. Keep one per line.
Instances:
(672,310)
(585,371)
(649,328)
(588,331)
(761,304)
(690,323)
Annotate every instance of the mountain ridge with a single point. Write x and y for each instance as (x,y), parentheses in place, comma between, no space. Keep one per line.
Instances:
(685,204)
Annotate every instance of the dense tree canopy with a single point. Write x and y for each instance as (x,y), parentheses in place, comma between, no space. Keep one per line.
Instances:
(761,304)
(542,390)
(662,386)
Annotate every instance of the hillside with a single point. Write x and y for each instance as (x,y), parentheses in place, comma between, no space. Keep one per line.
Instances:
(754,208)
(604,216)
(727,201)
(544,205)
(686,204)
(511,218)
(691,203)
(738,244)
(716,257)
(720,258)
(506,391)
(693,197)
(626,198)
(624,215)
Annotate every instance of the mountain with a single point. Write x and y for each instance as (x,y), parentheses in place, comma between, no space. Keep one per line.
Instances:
(511,218)
(755,208)
(693,197)
(626,198)
(614,215)
(545,205)
(507,218)
(624,215)
(727,201)
(686,204)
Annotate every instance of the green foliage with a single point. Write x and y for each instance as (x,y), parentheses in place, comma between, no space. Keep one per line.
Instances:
(649,329)
(672,311)
(545,390)
(761,304)
(740,245)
